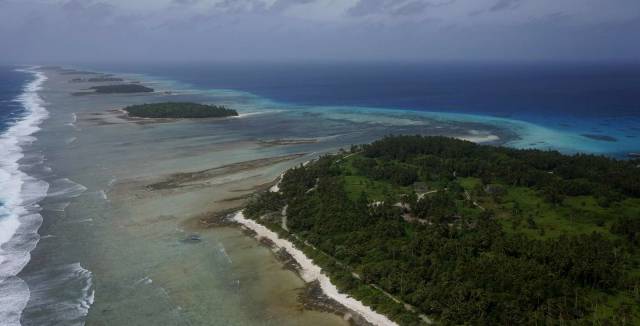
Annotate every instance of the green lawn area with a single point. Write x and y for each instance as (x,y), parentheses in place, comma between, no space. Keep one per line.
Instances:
(570,218)
(469,183)
(607,306)
(346,165)
(375,190)
(628,207)
(576,215)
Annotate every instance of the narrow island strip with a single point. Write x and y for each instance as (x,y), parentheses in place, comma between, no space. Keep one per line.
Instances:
(311,272)
(115,89)
(179,110)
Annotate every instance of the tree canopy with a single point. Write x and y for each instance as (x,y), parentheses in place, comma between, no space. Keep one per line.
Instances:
(179,110)
(471,234)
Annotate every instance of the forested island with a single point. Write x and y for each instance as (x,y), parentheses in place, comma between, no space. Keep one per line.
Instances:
(468,234)
(179,110)
(101,79)
(124,89)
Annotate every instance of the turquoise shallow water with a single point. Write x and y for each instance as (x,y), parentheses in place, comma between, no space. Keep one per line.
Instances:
(550,106)
(562,133)
(112,252)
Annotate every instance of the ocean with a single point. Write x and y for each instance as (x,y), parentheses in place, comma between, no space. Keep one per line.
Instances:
(592,108)
(21,112)
(111,252)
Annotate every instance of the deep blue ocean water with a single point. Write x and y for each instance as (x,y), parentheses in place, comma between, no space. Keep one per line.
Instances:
(577,99)
(11,85)
(21,113)
(504,90)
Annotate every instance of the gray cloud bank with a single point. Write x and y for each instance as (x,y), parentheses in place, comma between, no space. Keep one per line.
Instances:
(265,30)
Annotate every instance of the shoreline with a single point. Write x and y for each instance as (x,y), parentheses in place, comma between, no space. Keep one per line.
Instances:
(311,272)
(200,168)
(516,132)
(20,217)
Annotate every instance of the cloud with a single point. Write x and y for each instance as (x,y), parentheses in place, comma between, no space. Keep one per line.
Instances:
(505,5)
(364,8)
(91,8)
(394,7)
(185,2)
(241,6)
(281,5)
(257,6)
(202,30)
(410,8)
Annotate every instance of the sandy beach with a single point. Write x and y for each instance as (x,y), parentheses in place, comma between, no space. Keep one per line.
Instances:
(311,272)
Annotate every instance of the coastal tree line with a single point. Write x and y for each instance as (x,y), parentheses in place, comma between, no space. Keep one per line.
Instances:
(459,264)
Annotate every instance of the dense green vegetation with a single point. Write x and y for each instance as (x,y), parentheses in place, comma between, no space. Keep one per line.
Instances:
(179,110)
(124,88)
(96,79)
(104,79)
(470,234)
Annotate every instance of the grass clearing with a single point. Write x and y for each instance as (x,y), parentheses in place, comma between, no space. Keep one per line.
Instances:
(375,190)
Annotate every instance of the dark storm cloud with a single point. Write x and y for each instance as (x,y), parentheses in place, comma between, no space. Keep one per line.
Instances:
(184,3)
(284,4)
(505,5)
(89,9)
(240,6)
(257,6)
(393,7)
(411,8)
(368,7)
(182,30)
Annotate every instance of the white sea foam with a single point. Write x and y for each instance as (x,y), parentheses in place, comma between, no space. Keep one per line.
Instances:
(59,295)
(15,294)
(248,114)
(223,252)
(65,189)
(72,123)
(57,206)
(84,220)
(103,195)
(311,272)
(145,280)
(19,197)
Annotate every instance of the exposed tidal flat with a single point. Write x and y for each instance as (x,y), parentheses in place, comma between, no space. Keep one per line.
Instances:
(126,240)
(122,242)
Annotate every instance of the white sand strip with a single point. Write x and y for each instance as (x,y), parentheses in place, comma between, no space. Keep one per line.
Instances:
(276,187)
(311,272)
(480,139)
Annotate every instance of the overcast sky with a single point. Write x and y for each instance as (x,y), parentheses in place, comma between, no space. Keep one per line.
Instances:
(70,31)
